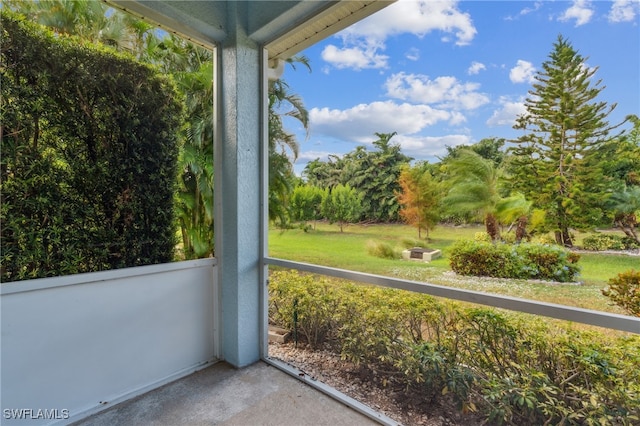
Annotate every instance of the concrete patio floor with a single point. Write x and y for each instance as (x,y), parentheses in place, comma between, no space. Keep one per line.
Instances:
(222,395)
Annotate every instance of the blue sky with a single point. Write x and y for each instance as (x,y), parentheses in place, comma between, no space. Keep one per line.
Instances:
(454,72)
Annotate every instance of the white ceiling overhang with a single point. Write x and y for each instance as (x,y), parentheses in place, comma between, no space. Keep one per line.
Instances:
(283,27)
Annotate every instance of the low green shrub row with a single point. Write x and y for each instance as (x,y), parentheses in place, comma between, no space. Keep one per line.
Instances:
(525,260)
(608,242)
(509,368)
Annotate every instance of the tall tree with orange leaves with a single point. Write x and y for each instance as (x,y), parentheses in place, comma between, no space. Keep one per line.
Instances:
(419,198)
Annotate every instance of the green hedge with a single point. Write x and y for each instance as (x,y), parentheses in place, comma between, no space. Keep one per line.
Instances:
(525,260)
(509,368)
(89,152)
(608,242)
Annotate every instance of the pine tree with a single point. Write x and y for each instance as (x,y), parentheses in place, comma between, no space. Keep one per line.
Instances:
(556,163)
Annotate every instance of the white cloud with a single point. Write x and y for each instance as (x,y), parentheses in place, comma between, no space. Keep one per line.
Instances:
(419,18)
(457,118)
(307,156)
(357,57)
(581,11)
(523,72)
(445,91)
(507,114)
(527,10)
(429,146)
(624,10)
(360,122)
(413,54)
(475,68)
(363,40)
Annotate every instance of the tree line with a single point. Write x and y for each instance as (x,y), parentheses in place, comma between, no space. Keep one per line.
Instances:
(570,168)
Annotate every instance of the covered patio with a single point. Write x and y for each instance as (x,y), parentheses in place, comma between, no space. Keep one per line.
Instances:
(256,395)
(77,345)
(186,343)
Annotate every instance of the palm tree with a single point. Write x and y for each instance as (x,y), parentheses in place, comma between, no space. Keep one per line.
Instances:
(89,20)
(515,210)
(626,205)
(194,201)
(474,189)
(283,146)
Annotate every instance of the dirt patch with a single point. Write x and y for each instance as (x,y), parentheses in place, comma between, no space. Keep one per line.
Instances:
(379,393)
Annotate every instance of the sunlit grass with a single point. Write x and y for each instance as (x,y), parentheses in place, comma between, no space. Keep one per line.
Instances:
(326,245)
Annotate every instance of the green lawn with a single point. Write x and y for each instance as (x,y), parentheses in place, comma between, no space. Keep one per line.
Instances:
(348,250)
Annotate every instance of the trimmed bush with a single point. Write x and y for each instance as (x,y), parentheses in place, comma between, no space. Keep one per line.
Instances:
(624,291)
(303,305)
(89,155)
(598,242)
(524,261)
(510,368)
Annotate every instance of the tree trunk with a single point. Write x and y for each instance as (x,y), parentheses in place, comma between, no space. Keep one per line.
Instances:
(521,228)
(627,223)
(492,227)
(563,238)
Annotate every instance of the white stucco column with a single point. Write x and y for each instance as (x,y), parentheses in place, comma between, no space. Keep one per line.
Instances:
(238,190)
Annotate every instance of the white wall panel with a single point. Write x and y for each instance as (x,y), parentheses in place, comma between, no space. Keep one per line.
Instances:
(87,341)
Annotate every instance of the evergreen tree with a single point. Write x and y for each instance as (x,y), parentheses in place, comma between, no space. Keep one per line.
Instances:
(557,162)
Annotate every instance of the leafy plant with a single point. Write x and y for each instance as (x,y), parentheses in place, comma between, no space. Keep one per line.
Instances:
(342,204)
(624,291)
(598,242)
(526,260)
(511,368)
(89,156)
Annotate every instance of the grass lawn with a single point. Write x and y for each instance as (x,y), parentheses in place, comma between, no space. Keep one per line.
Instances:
(348,250)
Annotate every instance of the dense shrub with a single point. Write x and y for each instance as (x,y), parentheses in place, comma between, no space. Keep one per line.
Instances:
(526,260)
(89,156)
(303,305)
(599,242)
(510,368)
(624,291)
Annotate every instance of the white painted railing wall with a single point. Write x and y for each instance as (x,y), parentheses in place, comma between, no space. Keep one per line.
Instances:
(78,344)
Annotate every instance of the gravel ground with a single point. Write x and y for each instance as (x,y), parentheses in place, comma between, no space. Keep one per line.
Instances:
(388,398)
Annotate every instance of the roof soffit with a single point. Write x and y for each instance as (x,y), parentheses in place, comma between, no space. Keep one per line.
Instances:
(284,27)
